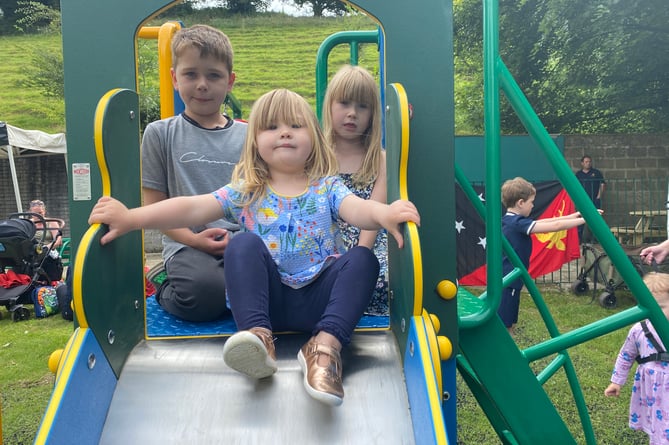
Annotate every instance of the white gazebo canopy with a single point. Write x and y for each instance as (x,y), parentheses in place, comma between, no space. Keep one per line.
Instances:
(29,143)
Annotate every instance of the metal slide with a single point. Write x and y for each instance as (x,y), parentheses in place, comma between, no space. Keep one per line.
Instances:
(180,391)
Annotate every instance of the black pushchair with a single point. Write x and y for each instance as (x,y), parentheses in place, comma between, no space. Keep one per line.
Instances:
(600,271)
(27,259)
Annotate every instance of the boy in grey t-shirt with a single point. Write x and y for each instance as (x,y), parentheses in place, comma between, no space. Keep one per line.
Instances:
(191,154)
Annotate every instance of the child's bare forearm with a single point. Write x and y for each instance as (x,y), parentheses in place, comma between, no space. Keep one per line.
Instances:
(374,215)
(556,224)
(362,213)
(167,214)
(174,213)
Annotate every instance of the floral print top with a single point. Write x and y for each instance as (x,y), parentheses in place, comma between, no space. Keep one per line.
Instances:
(300,231)
(379,302)
(649,403)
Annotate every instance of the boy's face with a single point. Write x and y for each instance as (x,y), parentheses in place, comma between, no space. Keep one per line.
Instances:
(203,83)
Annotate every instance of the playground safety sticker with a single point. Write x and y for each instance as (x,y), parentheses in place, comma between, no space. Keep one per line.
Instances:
(81,182)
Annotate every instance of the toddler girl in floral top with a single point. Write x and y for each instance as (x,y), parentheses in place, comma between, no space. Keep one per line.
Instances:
(286,270)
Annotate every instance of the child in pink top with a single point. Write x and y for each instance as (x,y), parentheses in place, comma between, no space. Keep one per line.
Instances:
(649,404)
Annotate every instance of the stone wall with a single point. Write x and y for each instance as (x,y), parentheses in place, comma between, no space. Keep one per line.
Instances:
(639,159)
(632,156)
(636,169)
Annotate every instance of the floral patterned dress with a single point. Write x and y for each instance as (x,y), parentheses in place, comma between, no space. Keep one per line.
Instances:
(379,302)
(649,404)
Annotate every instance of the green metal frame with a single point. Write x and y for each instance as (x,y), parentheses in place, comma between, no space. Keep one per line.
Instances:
(498,78)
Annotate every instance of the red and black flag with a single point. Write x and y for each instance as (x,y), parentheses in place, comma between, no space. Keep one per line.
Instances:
(549,250)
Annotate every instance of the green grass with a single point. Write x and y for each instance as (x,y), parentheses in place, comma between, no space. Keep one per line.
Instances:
(25,380)
(593,362)
(26,107)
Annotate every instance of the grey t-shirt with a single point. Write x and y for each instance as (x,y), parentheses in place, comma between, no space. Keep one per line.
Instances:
(182,159)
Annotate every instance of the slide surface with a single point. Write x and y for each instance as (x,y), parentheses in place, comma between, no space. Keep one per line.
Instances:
(180,391)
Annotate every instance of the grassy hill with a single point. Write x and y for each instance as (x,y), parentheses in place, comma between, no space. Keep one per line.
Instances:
(271,51)
(20,105)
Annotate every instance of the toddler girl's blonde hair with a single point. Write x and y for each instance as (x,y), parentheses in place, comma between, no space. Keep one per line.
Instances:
(658,285)
(251,175)
(356,84)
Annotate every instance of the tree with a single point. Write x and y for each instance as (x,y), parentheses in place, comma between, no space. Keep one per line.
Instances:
(319,7)
(10,13)
(8,16)
(33,16)
(585,66)
(245,7)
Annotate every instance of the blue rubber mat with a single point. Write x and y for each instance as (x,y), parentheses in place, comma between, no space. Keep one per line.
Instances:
(161,324)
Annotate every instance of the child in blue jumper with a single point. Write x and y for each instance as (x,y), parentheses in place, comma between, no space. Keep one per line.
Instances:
(518,197)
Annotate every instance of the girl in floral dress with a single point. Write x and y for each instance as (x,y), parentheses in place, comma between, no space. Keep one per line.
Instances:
(649,404)
(352,125)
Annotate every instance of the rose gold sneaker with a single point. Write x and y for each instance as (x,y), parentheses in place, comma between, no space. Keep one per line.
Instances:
(251,352)
(323,383)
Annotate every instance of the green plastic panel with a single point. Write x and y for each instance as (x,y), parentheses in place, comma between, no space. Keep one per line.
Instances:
(113,275)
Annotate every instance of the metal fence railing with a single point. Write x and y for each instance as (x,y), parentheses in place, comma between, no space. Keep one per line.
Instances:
(636,212)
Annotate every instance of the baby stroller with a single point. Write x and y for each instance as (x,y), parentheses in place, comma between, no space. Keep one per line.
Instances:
(26,260)
(599,270)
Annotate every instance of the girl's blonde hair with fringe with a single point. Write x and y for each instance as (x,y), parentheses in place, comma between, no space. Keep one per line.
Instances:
(251,175)
(356,84)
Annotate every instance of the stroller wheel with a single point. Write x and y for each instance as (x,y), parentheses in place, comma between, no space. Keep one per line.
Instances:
(608,300)
(579,287)
(20,313)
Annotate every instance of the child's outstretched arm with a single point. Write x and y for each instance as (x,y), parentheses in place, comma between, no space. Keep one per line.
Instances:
(171,213)
(657,253)
(374,215)
(559,223)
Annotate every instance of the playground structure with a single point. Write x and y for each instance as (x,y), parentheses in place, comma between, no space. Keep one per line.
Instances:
(115,385)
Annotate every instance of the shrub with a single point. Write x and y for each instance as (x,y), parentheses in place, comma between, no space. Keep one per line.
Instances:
(46,74)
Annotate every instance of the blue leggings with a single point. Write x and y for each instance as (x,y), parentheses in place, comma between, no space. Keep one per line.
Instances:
(332,303)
